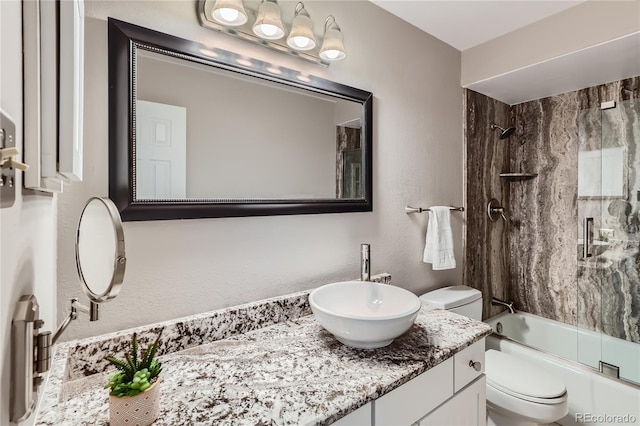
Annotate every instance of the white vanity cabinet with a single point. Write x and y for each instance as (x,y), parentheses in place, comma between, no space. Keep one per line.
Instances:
(451,393)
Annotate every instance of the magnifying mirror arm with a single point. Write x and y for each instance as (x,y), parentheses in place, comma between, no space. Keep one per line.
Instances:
(76,307)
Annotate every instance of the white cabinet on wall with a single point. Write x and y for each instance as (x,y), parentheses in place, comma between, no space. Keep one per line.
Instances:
(53,45)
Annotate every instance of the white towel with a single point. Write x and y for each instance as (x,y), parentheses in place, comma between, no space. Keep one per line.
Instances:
(438,249)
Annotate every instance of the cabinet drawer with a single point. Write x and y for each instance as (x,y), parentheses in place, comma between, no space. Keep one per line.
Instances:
(463,365)
(410,402)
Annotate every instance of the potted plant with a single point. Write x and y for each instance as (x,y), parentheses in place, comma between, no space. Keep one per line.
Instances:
(135,392)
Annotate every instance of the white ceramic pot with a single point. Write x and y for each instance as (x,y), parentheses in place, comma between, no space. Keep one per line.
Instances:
(139,410)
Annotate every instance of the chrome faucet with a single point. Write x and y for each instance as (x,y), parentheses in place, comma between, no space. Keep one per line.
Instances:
(496,302)
(365,262)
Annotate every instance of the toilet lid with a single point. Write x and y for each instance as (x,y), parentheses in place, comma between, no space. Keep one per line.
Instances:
(519,378)
(451,297)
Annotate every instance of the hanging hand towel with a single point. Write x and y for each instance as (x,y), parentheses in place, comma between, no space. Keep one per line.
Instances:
(438,249)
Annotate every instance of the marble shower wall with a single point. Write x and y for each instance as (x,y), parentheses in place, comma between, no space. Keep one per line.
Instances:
(609,283)
(533,260)
(486,244)
(547,277)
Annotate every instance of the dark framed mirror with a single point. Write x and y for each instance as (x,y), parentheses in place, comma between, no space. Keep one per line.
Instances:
(199,132)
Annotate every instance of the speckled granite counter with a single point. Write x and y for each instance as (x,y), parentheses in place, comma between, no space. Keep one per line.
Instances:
(290,372)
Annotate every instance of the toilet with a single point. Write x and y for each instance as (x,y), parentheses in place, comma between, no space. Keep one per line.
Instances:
(518,393)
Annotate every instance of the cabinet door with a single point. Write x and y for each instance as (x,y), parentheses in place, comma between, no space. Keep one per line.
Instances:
(360,417)
(408,403)
(466,408)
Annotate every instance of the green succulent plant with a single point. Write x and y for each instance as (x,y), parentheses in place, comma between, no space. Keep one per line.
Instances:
(135,373)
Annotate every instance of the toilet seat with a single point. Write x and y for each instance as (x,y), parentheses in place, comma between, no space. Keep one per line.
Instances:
(522,390)
(520,411)
(522,380)
(558,400)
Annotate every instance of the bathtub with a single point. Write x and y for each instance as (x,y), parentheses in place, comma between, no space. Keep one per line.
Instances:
(594,398)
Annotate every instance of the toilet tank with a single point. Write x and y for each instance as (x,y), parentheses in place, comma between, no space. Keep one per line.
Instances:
(460,299)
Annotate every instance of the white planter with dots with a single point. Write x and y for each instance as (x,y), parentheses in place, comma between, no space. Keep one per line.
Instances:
(139,410)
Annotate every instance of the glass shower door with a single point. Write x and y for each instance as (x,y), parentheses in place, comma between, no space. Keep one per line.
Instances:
(620,290)
(589,214)
(608,239)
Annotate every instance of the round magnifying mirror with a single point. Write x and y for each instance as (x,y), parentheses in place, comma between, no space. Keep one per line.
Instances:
(100,250)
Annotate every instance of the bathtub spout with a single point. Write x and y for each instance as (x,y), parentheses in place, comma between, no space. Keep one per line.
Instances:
(509,305)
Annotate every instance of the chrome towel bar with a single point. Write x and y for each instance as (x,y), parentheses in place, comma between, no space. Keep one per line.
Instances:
(410,209)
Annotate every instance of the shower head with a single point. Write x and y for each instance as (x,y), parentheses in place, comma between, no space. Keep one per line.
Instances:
(504,133)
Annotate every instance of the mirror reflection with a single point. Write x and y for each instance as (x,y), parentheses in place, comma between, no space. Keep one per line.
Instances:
(224,135)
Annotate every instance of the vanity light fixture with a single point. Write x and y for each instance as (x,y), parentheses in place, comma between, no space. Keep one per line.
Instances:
(268,25)
(229,12)
(301,36)
(264,26)
(332,45)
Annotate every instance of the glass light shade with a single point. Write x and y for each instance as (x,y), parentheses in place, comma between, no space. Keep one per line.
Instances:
(229,12)
(268,24)
(301,36)
(332,46)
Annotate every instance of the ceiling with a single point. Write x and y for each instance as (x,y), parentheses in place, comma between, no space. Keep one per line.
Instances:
(464,24)
(468,23)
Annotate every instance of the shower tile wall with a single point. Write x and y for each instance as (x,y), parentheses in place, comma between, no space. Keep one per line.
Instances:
(543,210)
(547,277)
(486,262)
(537,264)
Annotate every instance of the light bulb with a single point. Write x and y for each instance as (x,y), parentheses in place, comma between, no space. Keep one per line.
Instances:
(268,29)
(332,45)
(332,54)
(228,14)
(301,42)
(268,24)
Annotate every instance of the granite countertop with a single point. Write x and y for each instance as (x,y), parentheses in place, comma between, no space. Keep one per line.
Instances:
(290,372)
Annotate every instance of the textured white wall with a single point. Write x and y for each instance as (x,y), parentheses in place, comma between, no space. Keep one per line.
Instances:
(28,228)
(579,27)
(177,268)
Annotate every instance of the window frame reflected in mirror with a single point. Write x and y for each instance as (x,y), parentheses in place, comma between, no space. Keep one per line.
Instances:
(124,40)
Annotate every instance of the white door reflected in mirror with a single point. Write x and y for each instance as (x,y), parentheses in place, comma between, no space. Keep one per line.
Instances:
(161,151)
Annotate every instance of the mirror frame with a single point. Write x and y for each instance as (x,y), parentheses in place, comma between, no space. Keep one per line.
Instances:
(124,39)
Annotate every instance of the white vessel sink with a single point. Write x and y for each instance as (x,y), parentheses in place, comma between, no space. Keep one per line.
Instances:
(364,314)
